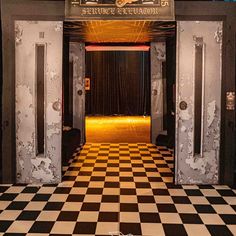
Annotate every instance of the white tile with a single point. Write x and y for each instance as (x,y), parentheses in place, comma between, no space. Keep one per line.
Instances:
(195,229)
(105,228)
(211,219)
(86,216)
(152,229)
(20,227)
(62,227)
(129,217)
(9,215)
(48,216)
(170,218)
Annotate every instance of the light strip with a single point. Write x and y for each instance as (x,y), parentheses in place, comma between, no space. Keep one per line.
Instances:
(91,48)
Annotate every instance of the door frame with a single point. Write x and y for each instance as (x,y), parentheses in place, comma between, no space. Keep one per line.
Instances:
(54,10)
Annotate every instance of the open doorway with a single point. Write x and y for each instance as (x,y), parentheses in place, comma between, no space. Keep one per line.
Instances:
(122,85)
(118,94)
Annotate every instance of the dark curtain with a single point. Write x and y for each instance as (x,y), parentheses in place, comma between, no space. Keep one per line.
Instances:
(120,83)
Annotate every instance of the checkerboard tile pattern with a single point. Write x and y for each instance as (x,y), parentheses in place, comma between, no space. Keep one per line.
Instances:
(112,188)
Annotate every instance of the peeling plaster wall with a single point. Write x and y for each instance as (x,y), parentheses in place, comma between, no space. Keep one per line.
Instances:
(32,168)
(158,55)
(77,57)
(204,168)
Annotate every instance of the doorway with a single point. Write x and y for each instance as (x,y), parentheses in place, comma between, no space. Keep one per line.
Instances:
(117,93)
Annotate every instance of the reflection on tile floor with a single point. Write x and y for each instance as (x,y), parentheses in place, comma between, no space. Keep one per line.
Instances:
(116,129)
(112,188)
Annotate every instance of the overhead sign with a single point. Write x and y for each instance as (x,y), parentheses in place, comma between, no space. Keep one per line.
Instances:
(161,10)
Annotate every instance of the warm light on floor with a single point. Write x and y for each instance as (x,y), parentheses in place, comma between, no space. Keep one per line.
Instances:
(118,129)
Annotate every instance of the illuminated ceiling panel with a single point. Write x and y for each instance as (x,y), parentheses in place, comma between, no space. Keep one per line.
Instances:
(118,31)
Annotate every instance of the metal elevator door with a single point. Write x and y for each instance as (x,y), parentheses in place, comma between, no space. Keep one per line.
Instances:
(198,102)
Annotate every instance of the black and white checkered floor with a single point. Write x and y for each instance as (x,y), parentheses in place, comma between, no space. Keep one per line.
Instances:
(118,189)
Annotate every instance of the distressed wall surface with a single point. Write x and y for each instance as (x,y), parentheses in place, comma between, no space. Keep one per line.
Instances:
(30,167)
(158,55)
(77,57)
(203,168)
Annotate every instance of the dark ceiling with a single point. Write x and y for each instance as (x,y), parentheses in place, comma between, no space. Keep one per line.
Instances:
(117,31)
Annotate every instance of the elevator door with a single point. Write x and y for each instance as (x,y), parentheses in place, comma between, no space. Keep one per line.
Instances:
(198,102)
(38,53)
(77,59)
(158,56)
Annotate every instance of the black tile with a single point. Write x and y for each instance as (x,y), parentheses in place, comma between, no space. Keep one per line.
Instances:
(99,169)
(206,186)
(134,165)
(41,227)
(31,189)
(229,219)
(146,199)
(97,178)
(204,209)
(85,228)
(169,174)
(85,173)
(4,188)
(81,184)
(181,200)
(108,217)
(142,185)
(163,192)
(151,170)
(219,230)
(75,198)
(88,164)
(166,208)
(174,230)
(125,161)
(126,179)
(53,206)
(191,218)
(113,165)
(125,169)
(130,228)
(17,206)
(112,173)
(150,218)
(90,207)
(15,234)
(162,165)
(193,192)
(112,185)
(148,161)
(129,207)
(4,225)
(61,190)
(41,197)
(216,200)
(154,179)
(173,186)
(68,216)
(94,191)
(73,168)
(226,192)
(110,198)
(139,174)
(8,196)
(28,215)
(69,178)
(127,191)
(50,185)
